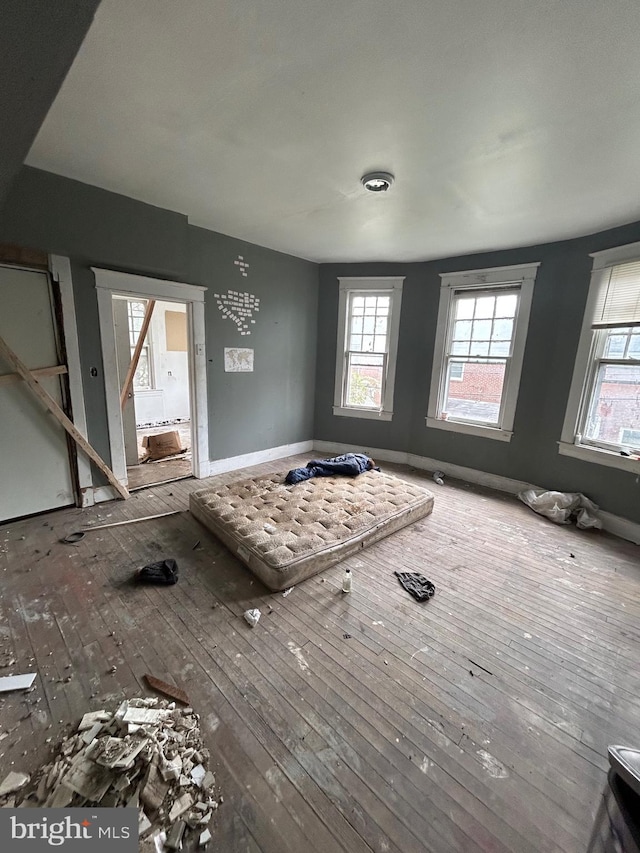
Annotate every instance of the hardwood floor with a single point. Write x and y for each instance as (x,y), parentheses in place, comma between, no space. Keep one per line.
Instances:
(476,722)
(154,473)
(161,471)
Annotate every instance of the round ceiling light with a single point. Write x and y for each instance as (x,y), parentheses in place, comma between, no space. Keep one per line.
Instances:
(377,182)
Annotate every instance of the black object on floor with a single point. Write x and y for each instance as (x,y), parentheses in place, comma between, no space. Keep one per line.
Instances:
(164,572)
(416,585)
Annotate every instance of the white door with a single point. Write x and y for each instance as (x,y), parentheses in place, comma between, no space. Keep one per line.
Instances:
(35,473)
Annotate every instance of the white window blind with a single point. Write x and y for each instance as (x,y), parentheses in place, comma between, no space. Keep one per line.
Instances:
(618,302)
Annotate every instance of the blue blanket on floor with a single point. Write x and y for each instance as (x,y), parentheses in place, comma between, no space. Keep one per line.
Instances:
(349,464)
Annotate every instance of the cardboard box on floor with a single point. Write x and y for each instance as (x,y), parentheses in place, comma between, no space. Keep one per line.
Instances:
(162,445)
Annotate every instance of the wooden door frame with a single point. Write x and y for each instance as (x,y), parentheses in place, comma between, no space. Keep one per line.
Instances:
(110,283)
(60,271)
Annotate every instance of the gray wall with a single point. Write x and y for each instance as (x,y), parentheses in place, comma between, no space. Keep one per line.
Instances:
(532,455)
(274,405)
(248,412)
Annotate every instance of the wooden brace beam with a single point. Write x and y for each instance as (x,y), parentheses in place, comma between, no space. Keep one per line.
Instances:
(50,404)
(40,372)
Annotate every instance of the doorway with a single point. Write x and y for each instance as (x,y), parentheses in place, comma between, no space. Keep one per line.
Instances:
(163,390)
(152,350)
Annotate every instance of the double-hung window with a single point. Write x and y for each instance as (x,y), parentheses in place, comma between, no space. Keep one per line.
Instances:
(482,326)
(603,414)
(143,377)
(368,322)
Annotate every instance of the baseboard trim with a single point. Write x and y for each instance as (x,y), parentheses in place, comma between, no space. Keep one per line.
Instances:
(98,494)
(232,463)
(615,524)
(470,475)
(330,448)
(621,527)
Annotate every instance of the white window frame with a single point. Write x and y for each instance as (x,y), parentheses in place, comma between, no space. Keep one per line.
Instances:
(522,276)
(380,285)
(146,347)
(571,443)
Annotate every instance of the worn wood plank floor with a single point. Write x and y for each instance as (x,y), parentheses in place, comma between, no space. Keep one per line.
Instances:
(476,722)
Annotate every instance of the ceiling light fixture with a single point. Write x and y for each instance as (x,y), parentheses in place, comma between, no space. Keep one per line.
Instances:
(377,182)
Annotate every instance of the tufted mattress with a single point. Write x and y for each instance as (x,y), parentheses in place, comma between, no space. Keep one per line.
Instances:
(285,534)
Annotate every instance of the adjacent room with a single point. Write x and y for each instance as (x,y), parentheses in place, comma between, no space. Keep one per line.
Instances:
(320,425)
(152,355)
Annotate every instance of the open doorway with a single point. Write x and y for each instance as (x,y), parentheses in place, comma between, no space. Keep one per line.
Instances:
(181,313)
(152,349)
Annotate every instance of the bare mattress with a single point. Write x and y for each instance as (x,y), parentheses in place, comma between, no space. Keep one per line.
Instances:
(285,534)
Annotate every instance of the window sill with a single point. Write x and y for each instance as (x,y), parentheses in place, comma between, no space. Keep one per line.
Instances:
(371,414)
(599,456)
(470,429)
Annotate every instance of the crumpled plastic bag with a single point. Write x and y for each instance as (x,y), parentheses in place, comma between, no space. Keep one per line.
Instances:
(563,507)
(252,616)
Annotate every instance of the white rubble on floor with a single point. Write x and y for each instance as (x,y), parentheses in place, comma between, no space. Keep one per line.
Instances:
(146,754)
(13,783)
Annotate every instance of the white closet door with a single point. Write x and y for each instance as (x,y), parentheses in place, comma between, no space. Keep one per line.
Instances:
(35,473)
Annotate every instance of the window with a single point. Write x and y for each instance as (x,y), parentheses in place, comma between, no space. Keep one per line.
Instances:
(456,371)
(630,438)
(143,377)
(612,403)
(603,413)
(368,320)
(482,326)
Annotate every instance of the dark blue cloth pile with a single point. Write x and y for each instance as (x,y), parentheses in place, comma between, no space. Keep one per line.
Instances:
(349,464)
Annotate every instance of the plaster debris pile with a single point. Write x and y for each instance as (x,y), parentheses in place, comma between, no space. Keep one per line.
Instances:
(148,755)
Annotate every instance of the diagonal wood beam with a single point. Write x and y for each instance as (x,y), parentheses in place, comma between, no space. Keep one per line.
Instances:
(50,404)
(135,358)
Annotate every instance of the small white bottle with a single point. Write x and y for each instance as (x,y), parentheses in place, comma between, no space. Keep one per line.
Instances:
(346,581)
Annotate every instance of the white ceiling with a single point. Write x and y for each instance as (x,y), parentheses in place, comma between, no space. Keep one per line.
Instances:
(505,122)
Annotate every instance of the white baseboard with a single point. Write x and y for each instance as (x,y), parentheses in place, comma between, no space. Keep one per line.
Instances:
(98,494)
(329,448)
(622,527)
(618,526)
(221,466)
(470,475)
